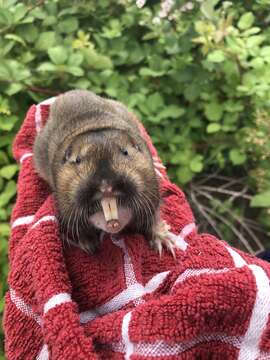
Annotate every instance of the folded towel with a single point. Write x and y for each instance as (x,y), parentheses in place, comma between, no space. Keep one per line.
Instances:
(126,302)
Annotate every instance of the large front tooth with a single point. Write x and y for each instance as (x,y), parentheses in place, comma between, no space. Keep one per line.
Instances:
(114,210)
(109,208)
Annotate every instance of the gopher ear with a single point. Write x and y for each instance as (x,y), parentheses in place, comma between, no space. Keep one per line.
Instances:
(135,143)
(137,147)
(67,154)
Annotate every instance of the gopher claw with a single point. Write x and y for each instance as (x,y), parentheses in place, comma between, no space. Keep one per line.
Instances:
(162,238)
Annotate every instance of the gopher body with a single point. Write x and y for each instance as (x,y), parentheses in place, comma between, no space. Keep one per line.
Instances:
(91,152)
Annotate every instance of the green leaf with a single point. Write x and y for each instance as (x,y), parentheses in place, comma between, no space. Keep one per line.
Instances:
(261,200)
(149,72)
(195,122)
(181,157)
(213,111)
(207,8)
(234,45)
(255,40)
(82,84)
(39,13)
(200,26)
(112,92)
(5,140)
(19,12)
(68,11)
(192,92)
(3,214)
(4,229)
(3,159)
(265,51)
(252,31)
(103,62)
(75,70)
(7,48)
(150,36)
(4,71)
(8,171)
(154,102)
(27,20)
(13,89)
(237,157)
(15,38)
(27,57)
(47,67)
(8,3)
(50,20)
(196,164)
(58,55)
(95,60)
(257,63)
(6,17)
(46,40)
(7,122)
(233,106)
(184,175)
(68,25)
(213,128)
(75,59)
(8,193)
(216,56)
(246,21)
(171,111)
(114,31)
(18,71)
(29,32)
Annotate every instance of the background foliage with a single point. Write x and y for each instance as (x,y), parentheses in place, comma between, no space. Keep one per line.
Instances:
(197,76)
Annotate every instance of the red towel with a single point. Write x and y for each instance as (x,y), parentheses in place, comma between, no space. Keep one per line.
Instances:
(125,302)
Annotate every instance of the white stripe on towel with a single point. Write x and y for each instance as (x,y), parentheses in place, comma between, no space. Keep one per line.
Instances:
(56,300)
(24,220)
(25,156)
(45,218)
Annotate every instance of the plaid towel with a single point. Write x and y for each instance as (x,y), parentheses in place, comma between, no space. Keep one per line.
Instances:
(125,302)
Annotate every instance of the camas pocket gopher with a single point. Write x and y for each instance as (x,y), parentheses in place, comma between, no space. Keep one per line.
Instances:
(100,170)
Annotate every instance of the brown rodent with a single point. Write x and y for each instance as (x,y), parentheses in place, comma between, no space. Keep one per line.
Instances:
(93,157)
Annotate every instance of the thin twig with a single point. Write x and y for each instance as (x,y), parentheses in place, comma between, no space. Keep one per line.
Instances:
(42,90)
(207,177)
(39,3)
(241,222)
(208,218)
(227,180)
(232,181)
(34,88)
(244,228)
(224,191)
(233,228)
(8,27)
(253,224)
(230,224)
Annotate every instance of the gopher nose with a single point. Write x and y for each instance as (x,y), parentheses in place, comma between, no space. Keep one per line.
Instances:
(105,188)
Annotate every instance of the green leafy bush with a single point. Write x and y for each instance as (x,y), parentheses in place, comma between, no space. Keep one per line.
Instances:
(197,77)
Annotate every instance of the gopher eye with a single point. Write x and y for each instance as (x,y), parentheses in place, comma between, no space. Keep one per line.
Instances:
(124,152)
(78,160)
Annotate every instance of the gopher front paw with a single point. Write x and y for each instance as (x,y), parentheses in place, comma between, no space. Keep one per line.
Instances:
(161,238)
